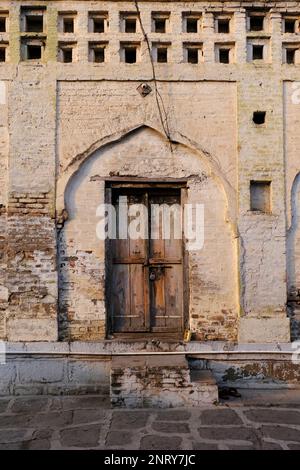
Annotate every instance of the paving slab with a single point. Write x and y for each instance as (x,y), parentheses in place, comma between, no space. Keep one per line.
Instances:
(129,419)
(156,442)
(88,422)
(83,436)
(220,416)
(276,416)
(281,433)
(29,405)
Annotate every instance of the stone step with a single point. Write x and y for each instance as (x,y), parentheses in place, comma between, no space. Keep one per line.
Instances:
(162,380)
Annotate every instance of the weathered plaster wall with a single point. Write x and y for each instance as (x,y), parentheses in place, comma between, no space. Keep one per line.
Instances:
(31,236)
(59,114)
(292,149)
(3,201)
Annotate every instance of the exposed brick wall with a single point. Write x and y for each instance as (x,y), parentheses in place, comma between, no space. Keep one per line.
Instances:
(80,273)
(164,381)
(3,266)
(30,204)
(31,267)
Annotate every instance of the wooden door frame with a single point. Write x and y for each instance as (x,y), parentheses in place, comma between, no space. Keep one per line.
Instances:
(144,183)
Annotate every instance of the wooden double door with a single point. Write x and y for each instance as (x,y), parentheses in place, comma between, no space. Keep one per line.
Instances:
(146,273)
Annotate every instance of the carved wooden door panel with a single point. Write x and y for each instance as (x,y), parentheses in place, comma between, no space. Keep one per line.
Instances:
(146,275)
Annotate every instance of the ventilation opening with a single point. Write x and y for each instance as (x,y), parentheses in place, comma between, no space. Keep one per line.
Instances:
(99,55)
(259,117)
(68,25)
(162,55)
(98,25)
(289,26)
(191,25)
(224,56)
(224,26)
(34,23)
(257,23)
(130,25)
(130,55)
(260,196)
(67,55)
(291,56)
(192,55)
(34,52)
(257,52)
(2,54)
(160,25)
(2,24)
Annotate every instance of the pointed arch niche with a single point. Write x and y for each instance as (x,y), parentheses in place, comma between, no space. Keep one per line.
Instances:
(212,271)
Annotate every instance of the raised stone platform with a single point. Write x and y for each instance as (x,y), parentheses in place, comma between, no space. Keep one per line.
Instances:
(57,368)
(159,381)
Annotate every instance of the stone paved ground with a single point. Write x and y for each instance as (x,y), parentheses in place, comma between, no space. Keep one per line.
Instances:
(87,422)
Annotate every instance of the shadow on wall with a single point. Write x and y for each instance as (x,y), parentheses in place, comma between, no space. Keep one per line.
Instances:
(293,261)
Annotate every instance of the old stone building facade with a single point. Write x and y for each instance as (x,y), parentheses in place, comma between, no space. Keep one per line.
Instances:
(195,99)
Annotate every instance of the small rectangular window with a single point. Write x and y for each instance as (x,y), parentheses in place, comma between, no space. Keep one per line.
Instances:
(260,196)
(130,25)
(2,24)
(67,52)
(259,117)
(98,22)
(2,54)
(32,19)
(192,52)
(192,55)
(159,22)
(257,52)
(291,56)
(191,25)
(34,52)
(68,25)
(257,23)
(98,25)
(224,56)
(289,25)
(160,25)
(67,55)
(224,25)
(67,22)
(32,49)
(162,55)
(130,54)
(34,23)
(97,52)
(99,55)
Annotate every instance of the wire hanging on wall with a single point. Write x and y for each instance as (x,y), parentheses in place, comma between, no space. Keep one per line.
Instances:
(159,100)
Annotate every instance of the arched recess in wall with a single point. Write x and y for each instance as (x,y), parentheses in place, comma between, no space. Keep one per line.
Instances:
(145,152)
(293,241)
(178,139)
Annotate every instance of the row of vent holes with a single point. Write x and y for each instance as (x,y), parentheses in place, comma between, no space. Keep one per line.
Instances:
(130,54)
(34,23)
